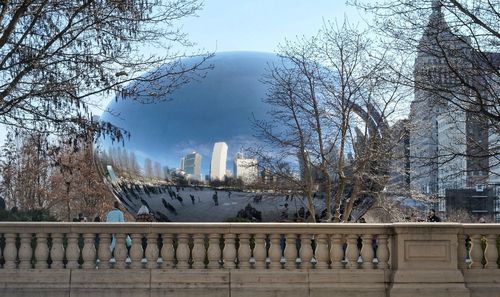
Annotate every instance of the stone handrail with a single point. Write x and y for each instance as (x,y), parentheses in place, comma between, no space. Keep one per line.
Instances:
(195,245)
(227,259)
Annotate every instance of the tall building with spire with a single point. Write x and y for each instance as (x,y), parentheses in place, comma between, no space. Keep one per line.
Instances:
(444,138)
(218,163)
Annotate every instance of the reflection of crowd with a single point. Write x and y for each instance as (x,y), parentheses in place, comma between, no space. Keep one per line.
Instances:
(134,194)
(129,193)
(257,198)
(249,213)
(215,198)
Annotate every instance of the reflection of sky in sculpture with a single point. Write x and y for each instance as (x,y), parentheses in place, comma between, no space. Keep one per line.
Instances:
(215,108)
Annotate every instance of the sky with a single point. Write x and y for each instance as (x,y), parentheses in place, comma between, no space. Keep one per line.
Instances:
(260,25)
(257,25)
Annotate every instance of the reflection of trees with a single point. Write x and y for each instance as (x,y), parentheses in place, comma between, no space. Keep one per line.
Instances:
(157,170)
(227,182)
(135,168)
(148,168)
(124,163)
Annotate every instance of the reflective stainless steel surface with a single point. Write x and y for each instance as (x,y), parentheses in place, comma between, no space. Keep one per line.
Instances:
(217,108)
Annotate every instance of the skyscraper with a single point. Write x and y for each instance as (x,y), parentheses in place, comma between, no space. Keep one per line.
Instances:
(218,163)
(192,165)
(446,142)
(245,169)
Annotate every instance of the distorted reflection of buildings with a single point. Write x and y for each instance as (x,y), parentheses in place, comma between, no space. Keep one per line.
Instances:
(218,163)
(191,165)
(245,169)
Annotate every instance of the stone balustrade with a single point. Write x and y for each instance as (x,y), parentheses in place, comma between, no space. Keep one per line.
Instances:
(194,246)
(249,259)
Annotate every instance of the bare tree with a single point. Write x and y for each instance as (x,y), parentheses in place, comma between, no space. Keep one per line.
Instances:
(76,186)
(285,86)
(54,175)
(326,89)
(55,56)
(26,169)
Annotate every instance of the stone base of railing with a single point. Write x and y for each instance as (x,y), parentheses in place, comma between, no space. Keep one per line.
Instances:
(481,283)
(435,283)
(192,283)
(235,282)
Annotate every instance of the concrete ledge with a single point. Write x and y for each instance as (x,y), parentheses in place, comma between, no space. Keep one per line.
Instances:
(190,283)
(110,283)
(434,290)
(34,282)
(346,282)
(483,282)
(252,283)
(430,276)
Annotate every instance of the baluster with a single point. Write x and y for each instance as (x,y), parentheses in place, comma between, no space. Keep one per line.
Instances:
(198,251)
(167,251)
(25,251)
(229,251)
(120,251)
(104,251)
(322,254)
(57,251)
(476,252)
(491,252)
(274,252)
(336,251)
(88,251)
(72,251)
(290,251)
(182,252)
(136,251)
(41,251)
(244,251)
(352,252)
(152,251)
(461,251)
(367,253)
(383,251)
(259,251)
(213,252)
(306,251)
(10,251)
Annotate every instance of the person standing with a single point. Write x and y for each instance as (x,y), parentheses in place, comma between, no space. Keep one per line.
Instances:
(81,217)
(432,216)
(115,216)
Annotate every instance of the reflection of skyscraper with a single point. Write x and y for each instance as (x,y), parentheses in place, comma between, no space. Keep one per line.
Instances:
(246,169)
(218,164)
(182,163)
(192,165)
